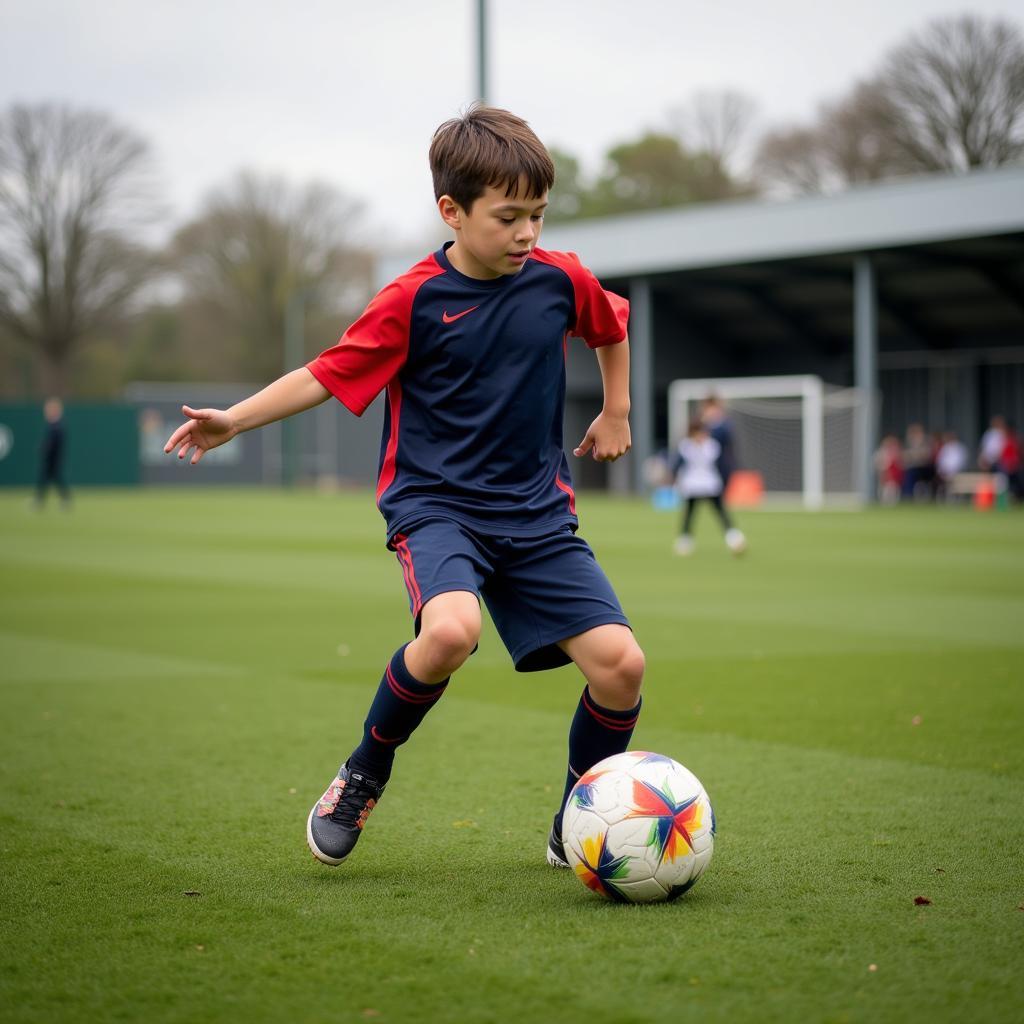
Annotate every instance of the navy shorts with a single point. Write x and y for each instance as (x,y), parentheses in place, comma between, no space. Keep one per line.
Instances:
(538,590)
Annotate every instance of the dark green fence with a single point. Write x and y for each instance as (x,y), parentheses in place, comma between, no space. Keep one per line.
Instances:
(101,444)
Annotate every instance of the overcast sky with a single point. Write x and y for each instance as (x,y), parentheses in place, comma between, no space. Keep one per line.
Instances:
(351,93)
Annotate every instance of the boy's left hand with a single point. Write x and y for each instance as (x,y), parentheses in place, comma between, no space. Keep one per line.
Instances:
(607,439)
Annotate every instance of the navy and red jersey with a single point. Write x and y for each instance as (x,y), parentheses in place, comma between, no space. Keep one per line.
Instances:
(475,379)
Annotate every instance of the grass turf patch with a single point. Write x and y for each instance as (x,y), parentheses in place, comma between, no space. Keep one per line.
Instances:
(183,671)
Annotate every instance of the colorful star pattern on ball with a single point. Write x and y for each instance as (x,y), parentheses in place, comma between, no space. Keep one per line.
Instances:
(598,869)
(644,758)
(583,791)
(673,824)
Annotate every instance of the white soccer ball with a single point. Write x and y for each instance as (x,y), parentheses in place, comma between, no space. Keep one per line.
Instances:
(638,828)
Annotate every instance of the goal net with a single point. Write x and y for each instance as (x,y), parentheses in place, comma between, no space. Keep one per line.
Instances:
(798,433)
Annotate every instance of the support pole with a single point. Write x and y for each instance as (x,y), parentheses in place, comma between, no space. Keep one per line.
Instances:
(865,370)
(481,50)
(813,447)
(641,376)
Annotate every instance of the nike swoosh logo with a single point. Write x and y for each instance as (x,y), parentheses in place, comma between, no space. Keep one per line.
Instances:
(383,739)
(451,319)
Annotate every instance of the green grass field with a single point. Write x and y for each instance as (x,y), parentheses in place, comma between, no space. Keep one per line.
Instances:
(182,672)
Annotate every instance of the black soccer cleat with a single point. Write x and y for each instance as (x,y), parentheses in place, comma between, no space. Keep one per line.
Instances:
(336,821)
(556,850)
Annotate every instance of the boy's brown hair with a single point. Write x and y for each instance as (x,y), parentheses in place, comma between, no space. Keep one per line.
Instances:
(488,146)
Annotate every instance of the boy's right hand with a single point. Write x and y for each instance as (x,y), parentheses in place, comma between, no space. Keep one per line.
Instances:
(205,429)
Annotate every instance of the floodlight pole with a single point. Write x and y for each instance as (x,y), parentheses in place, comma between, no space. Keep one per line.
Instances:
(481,50)
(641,376)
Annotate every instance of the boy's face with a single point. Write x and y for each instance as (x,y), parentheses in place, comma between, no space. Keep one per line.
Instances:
(497,234)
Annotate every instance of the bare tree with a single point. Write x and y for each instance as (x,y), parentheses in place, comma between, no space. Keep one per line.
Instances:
(949,99)
(852,137)
(258,245)
(846,146)
(75,189)
(793,160)
(955,95)
(715,124)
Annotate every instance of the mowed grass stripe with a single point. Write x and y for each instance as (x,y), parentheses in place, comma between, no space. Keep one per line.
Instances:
(115,560)
(34,658)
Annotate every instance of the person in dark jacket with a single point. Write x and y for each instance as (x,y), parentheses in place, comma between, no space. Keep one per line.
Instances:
(717,424)
(51,454)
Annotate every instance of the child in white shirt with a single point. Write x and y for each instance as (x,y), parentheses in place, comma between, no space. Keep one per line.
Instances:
(697,478)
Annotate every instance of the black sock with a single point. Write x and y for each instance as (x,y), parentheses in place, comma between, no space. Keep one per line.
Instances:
(398,708)
(595,733)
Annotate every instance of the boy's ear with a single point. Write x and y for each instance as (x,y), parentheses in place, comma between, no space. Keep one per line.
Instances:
(451,212)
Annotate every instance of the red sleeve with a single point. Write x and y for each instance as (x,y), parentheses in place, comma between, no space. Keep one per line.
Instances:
(601,316)
(373,350)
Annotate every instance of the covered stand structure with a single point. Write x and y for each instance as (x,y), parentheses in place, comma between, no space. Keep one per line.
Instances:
(912,291)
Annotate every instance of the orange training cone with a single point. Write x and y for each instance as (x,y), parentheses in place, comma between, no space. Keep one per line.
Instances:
(985,495)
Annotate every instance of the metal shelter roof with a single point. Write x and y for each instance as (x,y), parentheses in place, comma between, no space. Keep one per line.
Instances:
(915,211)
(948,249)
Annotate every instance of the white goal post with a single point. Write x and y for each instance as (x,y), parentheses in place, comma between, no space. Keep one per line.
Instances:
(800,433)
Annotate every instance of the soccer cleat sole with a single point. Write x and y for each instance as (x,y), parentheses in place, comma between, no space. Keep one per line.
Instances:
(331,862)
(554,860)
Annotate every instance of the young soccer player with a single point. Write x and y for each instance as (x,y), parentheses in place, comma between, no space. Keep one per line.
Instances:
(473,482)
(698,478)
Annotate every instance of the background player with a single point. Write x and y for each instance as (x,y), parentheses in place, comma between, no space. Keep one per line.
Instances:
(697,478)
(719,426)
(51,455)
(473,483)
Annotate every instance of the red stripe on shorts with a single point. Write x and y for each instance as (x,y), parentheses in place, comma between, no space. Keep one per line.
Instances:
(405,557)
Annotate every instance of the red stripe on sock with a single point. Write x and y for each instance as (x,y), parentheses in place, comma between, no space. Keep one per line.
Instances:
(618,724)
(407,695)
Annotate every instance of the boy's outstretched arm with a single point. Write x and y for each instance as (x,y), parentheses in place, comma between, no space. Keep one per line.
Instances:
(608,437)
(210,428)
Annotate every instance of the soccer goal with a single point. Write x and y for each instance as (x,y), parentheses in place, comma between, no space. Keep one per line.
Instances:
(799,433)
